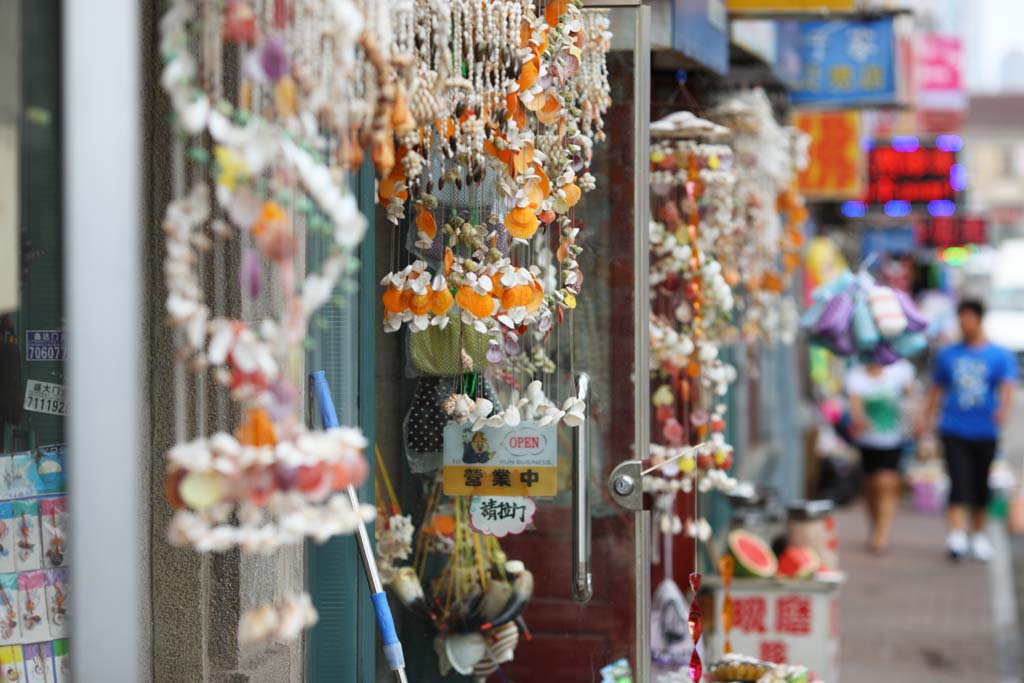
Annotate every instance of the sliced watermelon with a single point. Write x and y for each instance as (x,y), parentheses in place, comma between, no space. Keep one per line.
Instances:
(753,556)
(798,562)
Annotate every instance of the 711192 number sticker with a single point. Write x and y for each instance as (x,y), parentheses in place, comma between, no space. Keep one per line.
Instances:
(44,397)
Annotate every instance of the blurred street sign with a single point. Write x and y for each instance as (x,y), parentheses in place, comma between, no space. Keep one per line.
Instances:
(835,167)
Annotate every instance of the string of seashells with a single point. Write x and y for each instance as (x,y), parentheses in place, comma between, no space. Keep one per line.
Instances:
(308,84)
(767,157)
(692,303)
(522,120)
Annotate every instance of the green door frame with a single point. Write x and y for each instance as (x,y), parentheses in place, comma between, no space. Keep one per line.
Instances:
(342,647)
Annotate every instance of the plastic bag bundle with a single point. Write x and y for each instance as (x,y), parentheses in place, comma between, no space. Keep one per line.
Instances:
(853,315)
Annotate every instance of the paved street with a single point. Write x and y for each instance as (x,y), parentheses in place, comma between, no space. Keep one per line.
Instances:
(912,615)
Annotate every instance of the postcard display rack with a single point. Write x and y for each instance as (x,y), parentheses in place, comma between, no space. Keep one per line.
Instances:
(34,573)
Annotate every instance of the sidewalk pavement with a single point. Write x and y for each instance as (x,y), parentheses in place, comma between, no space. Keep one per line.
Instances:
(914,616)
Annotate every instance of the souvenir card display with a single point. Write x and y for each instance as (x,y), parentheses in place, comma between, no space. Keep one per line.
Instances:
(480,120)
(34,573)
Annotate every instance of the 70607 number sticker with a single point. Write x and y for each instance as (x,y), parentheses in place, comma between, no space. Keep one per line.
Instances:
(44,397)
(44,345)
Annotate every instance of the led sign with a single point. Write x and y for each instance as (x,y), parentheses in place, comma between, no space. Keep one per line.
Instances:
(906,171)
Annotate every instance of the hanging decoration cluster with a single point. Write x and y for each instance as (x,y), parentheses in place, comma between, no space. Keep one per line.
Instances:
(854,315)
(512,137)
(693,236)
(476,601)
(725,236)
(771,212)
(491,105)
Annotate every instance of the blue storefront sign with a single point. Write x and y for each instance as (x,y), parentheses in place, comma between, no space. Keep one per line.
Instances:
(895,240)
(700,31)
(839,63)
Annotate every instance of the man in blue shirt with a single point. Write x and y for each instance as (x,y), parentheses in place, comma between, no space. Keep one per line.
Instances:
(973,381)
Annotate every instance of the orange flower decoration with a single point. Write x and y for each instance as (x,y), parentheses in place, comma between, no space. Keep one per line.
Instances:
(528,76)
(419,304)
(520,295)
(389,187)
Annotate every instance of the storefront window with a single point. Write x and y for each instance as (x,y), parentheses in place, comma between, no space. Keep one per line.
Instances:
(34,562)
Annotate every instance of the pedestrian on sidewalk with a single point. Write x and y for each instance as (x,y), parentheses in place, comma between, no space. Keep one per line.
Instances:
(876,393)
(973,382)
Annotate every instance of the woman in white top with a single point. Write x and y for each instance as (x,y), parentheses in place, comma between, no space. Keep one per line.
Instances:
(876,393)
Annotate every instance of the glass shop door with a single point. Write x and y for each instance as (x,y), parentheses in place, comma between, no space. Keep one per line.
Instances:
(587,556)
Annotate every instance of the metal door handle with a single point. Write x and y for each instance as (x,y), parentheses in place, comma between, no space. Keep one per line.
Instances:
(582,588)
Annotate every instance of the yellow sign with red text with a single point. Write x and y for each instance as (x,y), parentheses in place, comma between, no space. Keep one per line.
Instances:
(505,461)
(835,167)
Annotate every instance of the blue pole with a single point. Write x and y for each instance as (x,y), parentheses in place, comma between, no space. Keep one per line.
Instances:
(392,646)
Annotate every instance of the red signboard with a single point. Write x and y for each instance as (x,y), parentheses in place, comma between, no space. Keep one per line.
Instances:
(912,173)
(942,232)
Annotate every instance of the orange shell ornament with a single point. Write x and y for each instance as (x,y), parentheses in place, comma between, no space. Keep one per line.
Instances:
(419,304)
(554,11)
(271,217)
(480,305)
(528,75)
(535,195)
(449,261)
(513,297)
(257,429)
(393,300)
(521,222)
(550,112)
(572,193)
(389,188)
(537,297)
(441,301)
(425,222)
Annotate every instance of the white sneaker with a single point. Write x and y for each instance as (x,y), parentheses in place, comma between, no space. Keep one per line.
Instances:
(956,544)
(981,547)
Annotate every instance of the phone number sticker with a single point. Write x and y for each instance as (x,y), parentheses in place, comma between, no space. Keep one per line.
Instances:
(44,397)
(44,345)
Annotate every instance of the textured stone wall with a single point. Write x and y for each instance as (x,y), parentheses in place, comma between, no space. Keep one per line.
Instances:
(194,600)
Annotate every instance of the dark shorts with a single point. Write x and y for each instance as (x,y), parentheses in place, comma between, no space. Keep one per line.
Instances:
(874,459)
(967,463)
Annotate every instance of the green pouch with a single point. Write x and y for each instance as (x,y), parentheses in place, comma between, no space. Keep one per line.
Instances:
(438,353)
